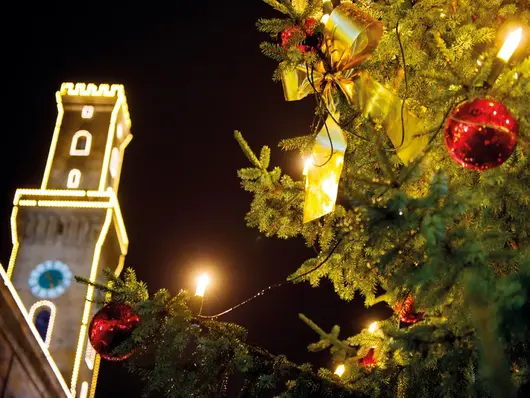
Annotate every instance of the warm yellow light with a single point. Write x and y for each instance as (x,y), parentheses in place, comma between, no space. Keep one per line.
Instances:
(14,240)
(328,8)
(510,44)
(90,356)
(84,390)
(30,203)
(202,284)
(89,299)
(340,370)
(373,327)
(95,375)
(307,164)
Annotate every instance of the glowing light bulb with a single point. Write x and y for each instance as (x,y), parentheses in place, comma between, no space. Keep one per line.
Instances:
(340,370)
(202,284)
(307,164)
(328,8)
(373,327)
(510,44)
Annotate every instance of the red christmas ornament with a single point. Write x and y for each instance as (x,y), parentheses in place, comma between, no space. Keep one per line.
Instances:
(407,312)
(310,25)
(368,361)
(111,326)
(481,134)
(288,34)
(309,39)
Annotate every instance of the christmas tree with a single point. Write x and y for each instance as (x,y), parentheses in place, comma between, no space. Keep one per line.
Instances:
(415,194)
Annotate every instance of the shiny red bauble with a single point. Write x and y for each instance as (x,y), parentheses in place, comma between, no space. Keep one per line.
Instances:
(368,361)
(288,34)
(407,312)
(307,32)
(481,134)
(110,327)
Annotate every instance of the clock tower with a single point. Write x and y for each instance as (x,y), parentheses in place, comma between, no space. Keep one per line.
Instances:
(72,226)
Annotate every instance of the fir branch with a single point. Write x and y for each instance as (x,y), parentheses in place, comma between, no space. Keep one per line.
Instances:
(99,286)
(246,150)
(283,6)
(273,25)
(274,51)
(328,338)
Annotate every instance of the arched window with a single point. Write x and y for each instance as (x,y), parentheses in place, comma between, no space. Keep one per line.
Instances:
(74,178)
(43,315)
(42,321)
(81,143)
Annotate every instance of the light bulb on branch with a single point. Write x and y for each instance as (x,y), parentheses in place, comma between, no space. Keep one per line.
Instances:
(340,370)
(307,164)
(509,46)
(327,8)
(373,327)
(202,284)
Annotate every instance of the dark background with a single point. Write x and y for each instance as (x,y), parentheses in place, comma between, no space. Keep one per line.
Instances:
(193,73)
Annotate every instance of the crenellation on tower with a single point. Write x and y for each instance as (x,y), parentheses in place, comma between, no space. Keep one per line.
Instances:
(73,224)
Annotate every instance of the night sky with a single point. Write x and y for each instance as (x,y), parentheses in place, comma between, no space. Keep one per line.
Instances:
(193,73)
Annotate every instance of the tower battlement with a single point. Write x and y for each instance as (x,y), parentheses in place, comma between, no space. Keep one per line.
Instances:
(94,90)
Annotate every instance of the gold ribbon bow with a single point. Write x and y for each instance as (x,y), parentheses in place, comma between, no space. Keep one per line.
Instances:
(350,36)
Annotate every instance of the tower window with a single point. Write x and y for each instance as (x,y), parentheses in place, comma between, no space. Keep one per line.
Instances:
(87,112)
(42,321)
(43,315)
(74,178)
(81,143)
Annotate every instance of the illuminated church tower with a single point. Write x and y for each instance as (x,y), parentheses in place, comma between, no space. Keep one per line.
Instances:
(72,226)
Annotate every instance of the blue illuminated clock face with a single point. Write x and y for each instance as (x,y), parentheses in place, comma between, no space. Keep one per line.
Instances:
(50,279)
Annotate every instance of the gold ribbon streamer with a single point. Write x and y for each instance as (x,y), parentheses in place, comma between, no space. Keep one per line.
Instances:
(350,36)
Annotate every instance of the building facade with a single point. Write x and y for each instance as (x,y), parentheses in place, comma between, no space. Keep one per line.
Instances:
(73,226)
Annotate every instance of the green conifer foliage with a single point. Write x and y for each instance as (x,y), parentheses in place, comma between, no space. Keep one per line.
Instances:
(455,240)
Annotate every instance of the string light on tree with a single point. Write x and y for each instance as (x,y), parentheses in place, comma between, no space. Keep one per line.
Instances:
(202,284)
(374,326)
(340,370)
(509,46)
(308,162)
(327,8)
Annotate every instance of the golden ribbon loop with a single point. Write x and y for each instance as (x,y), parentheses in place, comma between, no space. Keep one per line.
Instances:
(350,36)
